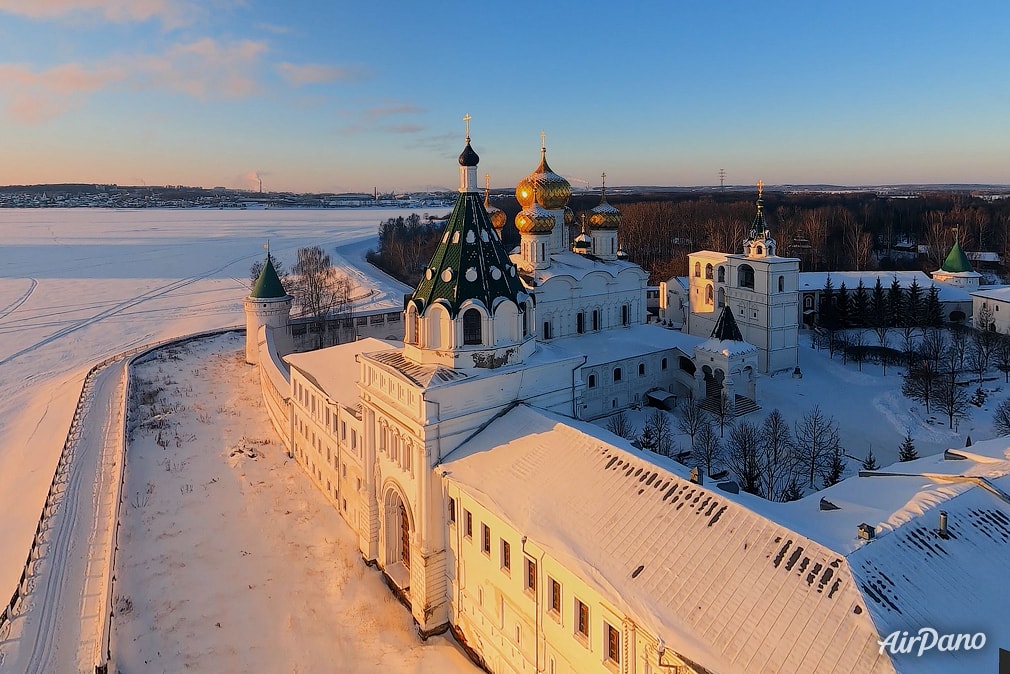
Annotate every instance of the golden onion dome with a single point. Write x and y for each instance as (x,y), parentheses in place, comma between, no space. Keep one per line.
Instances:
(604,216)
(535,219)
(569,216)
(496,214)
(551,190)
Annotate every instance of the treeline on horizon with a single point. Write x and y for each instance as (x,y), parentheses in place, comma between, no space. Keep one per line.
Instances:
(827,232)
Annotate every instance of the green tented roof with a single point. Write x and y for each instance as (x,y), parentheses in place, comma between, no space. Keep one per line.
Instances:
(268,285)
(956,261)
(469,263)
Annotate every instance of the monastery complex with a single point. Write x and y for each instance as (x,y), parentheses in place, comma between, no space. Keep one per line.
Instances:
(465,460)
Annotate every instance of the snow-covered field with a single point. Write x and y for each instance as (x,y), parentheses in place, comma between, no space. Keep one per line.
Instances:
(77,285)
(230,559)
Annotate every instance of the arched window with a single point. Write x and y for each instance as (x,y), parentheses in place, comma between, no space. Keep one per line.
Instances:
(592,381)
(760,250)
(722,297)
(708,294)
(664,363)
(471,327)
(782,283)
(708,270)
(697,269)
(547,330)
(415,337)
(625,314)
(641,369)
(745,276)
(722,274)
(580,322)
(596,319)
(617,374)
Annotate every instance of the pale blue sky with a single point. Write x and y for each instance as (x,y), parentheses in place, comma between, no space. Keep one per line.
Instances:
(319,95)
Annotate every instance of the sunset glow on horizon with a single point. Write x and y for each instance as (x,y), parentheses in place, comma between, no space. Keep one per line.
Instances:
(351,97)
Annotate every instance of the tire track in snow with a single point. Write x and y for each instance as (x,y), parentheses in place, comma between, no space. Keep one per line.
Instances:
(13,306)
(120,307)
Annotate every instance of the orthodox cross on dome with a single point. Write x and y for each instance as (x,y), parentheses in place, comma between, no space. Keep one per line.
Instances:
(761,188)
(467,118)
(954,229)
(487,185)
(543,141)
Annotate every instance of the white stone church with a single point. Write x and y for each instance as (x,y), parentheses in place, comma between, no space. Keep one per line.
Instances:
(463,458)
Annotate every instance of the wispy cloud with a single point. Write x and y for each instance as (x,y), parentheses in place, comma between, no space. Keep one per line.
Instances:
(393,109)
(172,13)
(298,75)
(403,128)
(202,69)
(34,97)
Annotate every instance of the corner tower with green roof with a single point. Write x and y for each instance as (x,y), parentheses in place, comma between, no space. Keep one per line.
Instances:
(268,304)
(470,309)
(956,269)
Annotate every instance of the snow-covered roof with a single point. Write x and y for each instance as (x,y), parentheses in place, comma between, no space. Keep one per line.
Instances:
(723,585)
(815,280)
(334,369)
(1000,293)
(567,263)
(619,343)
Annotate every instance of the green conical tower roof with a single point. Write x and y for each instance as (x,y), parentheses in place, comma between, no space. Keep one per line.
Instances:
(726,327)
(268,285)
(469,263)
(956,261)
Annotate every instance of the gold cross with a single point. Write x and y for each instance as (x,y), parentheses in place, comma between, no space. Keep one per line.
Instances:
(761,187)
(543,140)
(467,118)
(604,176)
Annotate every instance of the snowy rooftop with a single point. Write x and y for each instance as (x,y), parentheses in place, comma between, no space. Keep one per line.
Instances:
(797,586)
(722,584)
(1001,293)
(815,280)
(335,369)
(726,347)
(567,263)
(637,340)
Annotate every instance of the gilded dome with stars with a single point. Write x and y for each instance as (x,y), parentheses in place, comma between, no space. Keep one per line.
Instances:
(496,214)
(552,191)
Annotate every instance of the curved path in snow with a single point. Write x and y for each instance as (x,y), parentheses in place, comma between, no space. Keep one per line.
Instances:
(57,626)
(13,306)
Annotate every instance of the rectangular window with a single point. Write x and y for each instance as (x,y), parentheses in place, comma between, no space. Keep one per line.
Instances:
(452,510)
(613,644)
(555,605)
(467,524)
(580,323)
(485,538)
(596,319)
(506,555)
(581,618)
(354,439)
(625,314)
(531,575)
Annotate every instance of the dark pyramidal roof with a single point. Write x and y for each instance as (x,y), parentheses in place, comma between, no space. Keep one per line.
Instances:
(268,285)
(726,327)
(469,263)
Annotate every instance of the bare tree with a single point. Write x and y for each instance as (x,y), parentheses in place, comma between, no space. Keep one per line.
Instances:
(722,412)
(1002,356)
(659,422)
(691,418)
(776,458)
(620,425)
(920,383)
(708,449)
(257,267)
(815,437)
(951,398)
(742,458)
(932,345)
(1001,418)
(958,345)
(858,244)
(319,289)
